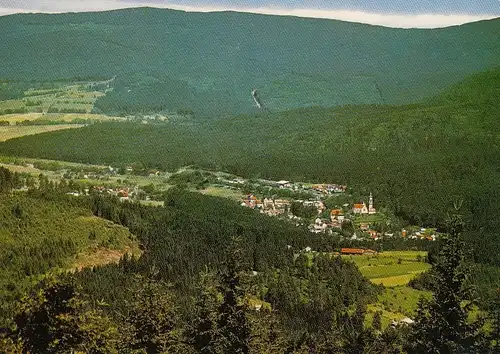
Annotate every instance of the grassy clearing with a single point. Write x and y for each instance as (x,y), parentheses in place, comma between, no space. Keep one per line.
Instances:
(11,132)
(401,299)
(396,303)
(369,219)
(393,281)
(391,268)
(107,245)
(223,193)
(378,271)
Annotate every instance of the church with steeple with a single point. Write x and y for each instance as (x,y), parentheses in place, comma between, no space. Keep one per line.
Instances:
(363,209)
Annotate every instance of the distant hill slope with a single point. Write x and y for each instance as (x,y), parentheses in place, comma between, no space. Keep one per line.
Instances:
(210,62)
(416,158)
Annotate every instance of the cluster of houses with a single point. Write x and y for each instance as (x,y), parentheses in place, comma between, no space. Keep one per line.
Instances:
(271,207)
(337,216)
(422,234)
(322,189)
(123,193)
(329,188)
(277,207)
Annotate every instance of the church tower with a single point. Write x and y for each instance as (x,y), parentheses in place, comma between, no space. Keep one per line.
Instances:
(371,209)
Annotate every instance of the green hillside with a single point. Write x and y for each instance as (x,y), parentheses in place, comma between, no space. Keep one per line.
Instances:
(39,235)
(209,62)
(417,159)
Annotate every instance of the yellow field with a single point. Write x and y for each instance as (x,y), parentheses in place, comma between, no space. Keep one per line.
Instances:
(14,118)
(21,169)
(12,132)
(59,117)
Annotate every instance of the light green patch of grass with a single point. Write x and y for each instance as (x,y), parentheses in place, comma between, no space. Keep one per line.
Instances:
(396,280)
(107,242)
(11,104)
(394,268)
(395,304)
(391,270)
(369,219)
(223,193)
(401,299)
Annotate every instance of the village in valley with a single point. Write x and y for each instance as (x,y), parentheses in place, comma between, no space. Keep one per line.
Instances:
(332,209)
(321,214)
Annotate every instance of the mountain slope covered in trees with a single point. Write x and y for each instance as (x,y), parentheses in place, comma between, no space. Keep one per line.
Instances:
(210,62)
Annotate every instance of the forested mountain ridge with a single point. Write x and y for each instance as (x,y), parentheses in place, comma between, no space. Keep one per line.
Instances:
(210,62)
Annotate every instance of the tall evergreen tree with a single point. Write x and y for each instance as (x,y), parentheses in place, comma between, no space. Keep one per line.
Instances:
(6,180)
(233,327)
(202,329)
(357,337)
(267,336)
(377,321)
(54,318)
(153,319)
(442,324)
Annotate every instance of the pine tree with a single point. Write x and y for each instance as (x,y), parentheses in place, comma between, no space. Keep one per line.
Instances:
(377,321)
(55,318)
(42,319)
(267,336)
(202,329)
(357,337)
(153,319)
(6,180)
(8,345)
(233,328)
(441,324)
